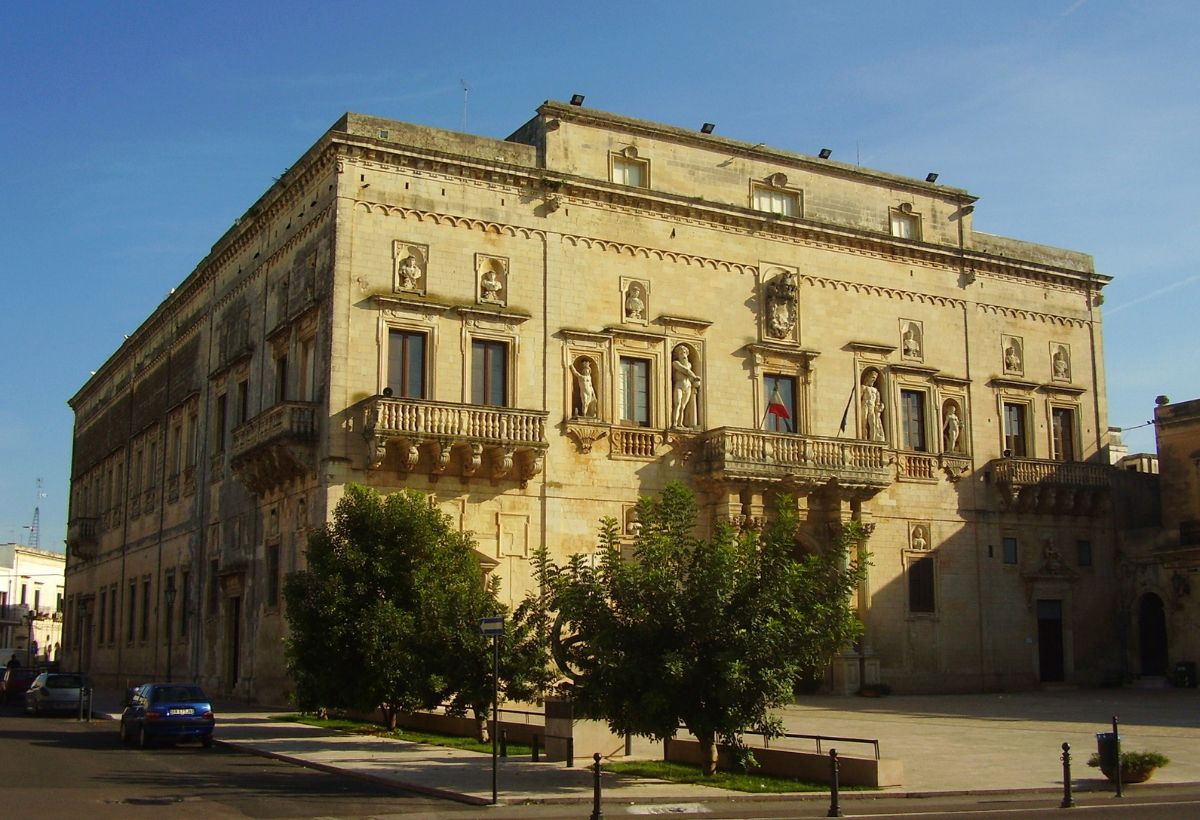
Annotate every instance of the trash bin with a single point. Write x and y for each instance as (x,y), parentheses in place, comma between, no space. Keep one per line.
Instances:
(1106,748)
(1185,674)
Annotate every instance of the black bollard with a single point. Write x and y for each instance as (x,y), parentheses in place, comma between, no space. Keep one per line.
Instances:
(1067,801)
(1117,752)
(570,752)
(536,748)
(835,810)
(504,742)
(597,814)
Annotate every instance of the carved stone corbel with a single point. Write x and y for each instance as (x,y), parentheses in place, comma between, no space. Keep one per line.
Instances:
(412,454)
(502,462)
(376,451)
(585,435)
(472,460)
(440,450)
(531,464)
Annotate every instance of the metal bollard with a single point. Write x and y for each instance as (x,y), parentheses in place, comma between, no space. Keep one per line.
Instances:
(570,753)
(1117,745)
(597,814)
(835,810)
(536,750)
(504,743)
(1067,801)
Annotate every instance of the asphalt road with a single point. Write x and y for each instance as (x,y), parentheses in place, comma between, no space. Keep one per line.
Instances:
(58,767)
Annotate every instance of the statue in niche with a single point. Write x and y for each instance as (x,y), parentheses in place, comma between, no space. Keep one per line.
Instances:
(1012,357)
(951,428)
(872,408)
(588,406)
(635,305)
(686,390)
(1062,370)
(912,344)
(781,305)
(410,273)
(918,538)
(490,287)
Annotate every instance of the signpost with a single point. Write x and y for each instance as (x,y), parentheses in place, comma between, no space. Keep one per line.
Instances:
(495,628)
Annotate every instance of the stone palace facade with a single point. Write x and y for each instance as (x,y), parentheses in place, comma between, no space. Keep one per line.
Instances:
(537,330)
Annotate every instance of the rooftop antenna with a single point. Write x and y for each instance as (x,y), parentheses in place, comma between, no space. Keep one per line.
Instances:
(857,154)
(35,539)
(466,90)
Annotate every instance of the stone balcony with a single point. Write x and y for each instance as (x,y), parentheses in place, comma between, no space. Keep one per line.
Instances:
(83,536)
(795,462)
(276,446)
(1051,487)
(459,439)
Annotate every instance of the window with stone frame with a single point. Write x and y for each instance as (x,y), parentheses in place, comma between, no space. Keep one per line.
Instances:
(1062,434)
(914,420)
(903,223)
(922,597)
(775,200)
(407,352)
(779,395)
(272,569)
(1016,427)
(489,372)
(1010,554)
(628,169)
(633,391)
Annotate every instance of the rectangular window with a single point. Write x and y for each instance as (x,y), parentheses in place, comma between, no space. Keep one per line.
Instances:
(489,373)
(145,633)
(635,391)
(176,449)
(101,612)
(37,599)
(632,172)
(273,575)
(214,588)
(776,201)
(112,614)
(168,606)
(1062,432)
(243,402)
(221,420)
(905,225)
(912,420)
(780,397)
(1083,553)
(24,594)
(132,617)
(1010,550)
(281,378)
(307,370)
(152,464)
(406,364)
(185,603)
(135,475)
(193,442)
(920,586)
(1015,442)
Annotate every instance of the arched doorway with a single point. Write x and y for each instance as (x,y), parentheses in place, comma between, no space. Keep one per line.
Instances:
(1152,635)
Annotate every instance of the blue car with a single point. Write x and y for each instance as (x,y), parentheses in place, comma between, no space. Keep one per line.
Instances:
(167,711)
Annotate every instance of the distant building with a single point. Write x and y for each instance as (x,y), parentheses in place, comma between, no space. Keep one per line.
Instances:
(534,331)
(31,603)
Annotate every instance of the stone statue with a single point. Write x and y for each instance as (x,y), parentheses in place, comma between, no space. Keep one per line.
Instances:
(912,347)
(587,391)
(1061,371)
(872,408)
(410,273)
(781,305)
(490,287)
(952,428)
(635,307)
(1012,358)
(918,538)
(686,390)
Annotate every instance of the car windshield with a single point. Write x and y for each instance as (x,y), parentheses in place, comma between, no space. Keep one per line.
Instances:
(168,694)
(64,681)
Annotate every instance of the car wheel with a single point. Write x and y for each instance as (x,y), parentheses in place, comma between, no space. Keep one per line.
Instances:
(123,732)
(143,738)
(37,710)
(206,741)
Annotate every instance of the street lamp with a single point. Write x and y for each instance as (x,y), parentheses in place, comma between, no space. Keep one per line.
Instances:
(169,595)
(30,617)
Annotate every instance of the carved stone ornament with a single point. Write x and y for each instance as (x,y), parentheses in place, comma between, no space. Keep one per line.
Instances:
(919,538)
(586,435)
(1060,363)
(635,306)
(409,267)
(781,305)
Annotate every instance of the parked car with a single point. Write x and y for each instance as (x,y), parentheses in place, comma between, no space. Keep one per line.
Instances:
(15,681)
(167,711)
(55,692)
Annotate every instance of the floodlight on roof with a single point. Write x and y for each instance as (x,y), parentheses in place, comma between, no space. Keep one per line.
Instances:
(707,128)
(576,99)
(825,153)
(931,176)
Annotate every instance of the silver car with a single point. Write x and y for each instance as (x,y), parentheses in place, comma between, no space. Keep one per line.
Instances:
(54,692)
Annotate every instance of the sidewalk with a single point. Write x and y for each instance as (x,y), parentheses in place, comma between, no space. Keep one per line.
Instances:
(949,744)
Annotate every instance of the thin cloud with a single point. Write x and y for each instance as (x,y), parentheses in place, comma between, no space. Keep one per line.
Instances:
(1154,294)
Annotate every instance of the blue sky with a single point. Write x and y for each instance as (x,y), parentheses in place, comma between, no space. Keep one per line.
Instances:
(132,139)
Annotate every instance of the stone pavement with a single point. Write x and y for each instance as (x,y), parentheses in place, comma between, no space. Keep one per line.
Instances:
(949,744)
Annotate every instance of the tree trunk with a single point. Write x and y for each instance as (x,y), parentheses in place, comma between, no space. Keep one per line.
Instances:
(708,752)
(482,725)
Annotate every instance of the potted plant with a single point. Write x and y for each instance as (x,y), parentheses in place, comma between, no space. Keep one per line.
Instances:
(1136,767)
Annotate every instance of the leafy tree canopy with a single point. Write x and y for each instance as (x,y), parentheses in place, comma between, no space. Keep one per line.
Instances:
(708,633)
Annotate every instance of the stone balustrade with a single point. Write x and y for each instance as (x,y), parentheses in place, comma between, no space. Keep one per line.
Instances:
(729,453)
(276,446)
(1043,486)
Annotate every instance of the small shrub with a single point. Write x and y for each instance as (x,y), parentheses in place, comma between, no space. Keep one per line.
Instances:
(1135,766)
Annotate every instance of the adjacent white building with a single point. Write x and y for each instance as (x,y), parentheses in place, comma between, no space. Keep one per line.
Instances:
(31,584)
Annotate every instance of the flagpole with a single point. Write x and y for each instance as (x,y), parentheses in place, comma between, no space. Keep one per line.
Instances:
(846,412)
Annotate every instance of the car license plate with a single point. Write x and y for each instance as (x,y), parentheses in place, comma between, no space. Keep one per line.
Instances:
(179,711)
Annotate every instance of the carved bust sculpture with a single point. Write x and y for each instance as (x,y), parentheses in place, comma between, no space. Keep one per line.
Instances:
(1012,358)
(635,306)
(410,273)
(918,538)
(872,408)
(490,287)
(685,390)
(912,345)
(1062,370)
(781,305)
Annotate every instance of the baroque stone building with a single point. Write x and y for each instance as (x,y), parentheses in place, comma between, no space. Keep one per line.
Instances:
(536,330)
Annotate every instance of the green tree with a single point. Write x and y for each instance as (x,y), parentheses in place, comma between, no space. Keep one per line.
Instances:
(708,633)
(387,613)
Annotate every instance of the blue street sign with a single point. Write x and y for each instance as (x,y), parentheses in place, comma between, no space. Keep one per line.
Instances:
(491,626)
